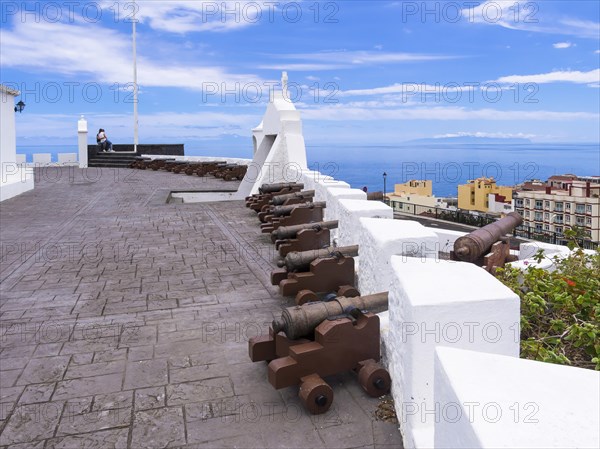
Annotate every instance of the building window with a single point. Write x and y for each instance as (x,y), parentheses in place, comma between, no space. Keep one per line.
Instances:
(546,227)
(558,207)
(547,204)
(568,206)
(588,208)
(546,216)
(519,202)
(538,226)
(579,221)
(558,219)
(579,208)
(526,214)
(588,221)
(558,229)
(527,202)
(538,204)
(538,216)
(567,218)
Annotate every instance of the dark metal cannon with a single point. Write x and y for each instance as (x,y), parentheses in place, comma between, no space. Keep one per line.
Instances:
(304,195)
(271,212)
(301,321)
(375,196)
(307,273)
(299,213)
(300,261)
(290,232)
(487,246)
(257,201)
(322,339)
(303,237)
(278,187)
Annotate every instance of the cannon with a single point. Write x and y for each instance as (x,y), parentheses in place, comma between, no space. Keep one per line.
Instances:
(278,187)
(266,192)
(375,196)
(258,202)
(303,213)
(488,246)
(304,195)
(271,212)
(316,340)
(140,162)
(307,273)
(303,237)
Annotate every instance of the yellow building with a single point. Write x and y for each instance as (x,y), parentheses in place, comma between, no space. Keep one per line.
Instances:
(475,194)
(414,187)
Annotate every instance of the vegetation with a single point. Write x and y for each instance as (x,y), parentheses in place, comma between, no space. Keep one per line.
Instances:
(560,310)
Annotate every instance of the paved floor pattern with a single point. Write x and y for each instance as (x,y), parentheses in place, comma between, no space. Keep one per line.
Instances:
(124,322)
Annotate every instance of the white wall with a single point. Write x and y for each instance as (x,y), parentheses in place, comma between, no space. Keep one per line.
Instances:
(492,401)
(15,178)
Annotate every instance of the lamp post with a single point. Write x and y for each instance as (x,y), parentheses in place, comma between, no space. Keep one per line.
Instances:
(384,187)
(20,106)
(135,84)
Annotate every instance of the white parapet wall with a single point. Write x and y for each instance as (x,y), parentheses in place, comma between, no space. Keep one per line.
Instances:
(492,401)
(349,214)
(42,159)
(440,303)
(67,159)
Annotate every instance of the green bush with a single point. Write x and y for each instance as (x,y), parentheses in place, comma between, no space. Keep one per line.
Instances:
(560,310)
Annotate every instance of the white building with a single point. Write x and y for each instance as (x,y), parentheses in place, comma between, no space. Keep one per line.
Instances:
(16,179)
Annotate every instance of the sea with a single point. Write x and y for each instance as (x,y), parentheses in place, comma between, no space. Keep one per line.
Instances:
(447,165)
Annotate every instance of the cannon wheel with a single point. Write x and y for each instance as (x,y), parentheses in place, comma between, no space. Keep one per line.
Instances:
(304,296)
(315,394)
(348,291)
(374,379)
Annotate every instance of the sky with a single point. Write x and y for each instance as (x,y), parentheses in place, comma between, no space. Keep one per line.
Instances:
(360,72)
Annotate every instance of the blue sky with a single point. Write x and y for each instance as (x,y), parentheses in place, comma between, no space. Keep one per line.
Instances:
(358,70)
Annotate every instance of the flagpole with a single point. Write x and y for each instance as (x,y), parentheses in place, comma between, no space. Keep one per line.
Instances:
(135,85)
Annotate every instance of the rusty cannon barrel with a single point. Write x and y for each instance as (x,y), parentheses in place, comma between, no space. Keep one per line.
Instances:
(290,232)
(375,196)
(283,211)
(272,188)
(300,260)
(280,199)
(476,244)
(301,321)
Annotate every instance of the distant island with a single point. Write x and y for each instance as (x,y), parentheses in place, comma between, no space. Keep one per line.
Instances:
(470,140)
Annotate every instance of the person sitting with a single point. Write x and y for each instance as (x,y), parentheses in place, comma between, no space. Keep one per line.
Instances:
(102,140)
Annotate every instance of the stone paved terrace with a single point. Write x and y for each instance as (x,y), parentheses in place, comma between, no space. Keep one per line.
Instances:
(124,323)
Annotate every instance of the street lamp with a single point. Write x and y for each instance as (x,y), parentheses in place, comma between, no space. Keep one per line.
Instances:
(20,106)
(384,186)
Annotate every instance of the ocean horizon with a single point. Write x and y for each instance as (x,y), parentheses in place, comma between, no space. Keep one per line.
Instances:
(447,165)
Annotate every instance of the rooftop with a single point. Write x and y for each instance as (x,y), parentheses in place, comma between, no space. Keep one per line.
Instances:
(124,322)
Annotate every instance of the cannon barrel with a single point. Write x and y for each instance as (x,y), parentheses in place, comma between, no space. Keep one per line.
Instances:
(476,244)
(280,199)
(271,188)
(282,211)
(300,260)
(301,321)
(375,196)
(290,232)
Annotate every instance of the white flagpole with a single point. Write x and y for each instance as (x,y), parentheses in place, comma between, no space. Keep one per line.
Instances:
(135,85)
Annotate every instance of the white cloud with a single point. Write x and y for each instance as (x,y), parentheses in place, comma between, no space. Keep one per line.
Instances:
(342,59)
(176,126)
(486,134)
(409,89)
(569,76)
(342,112)
(76,49)
(527,16)
(185,16)
(597,52)
(563,45)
